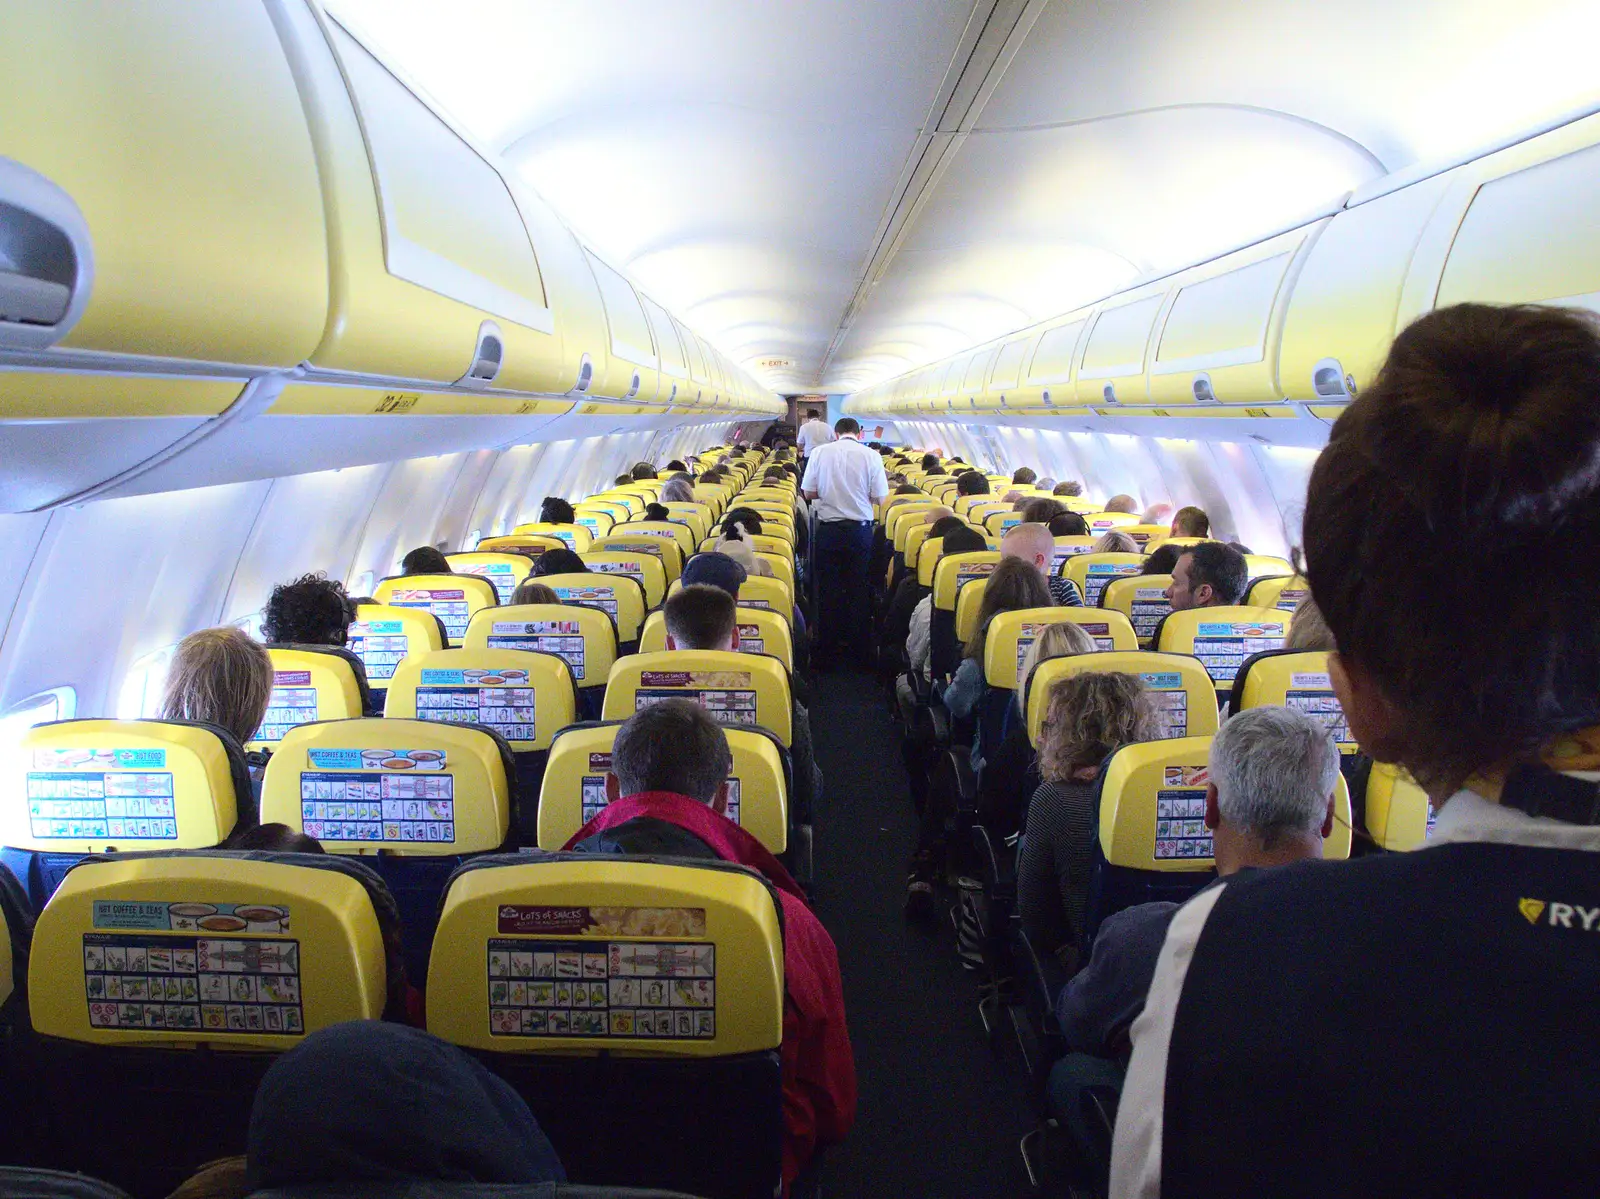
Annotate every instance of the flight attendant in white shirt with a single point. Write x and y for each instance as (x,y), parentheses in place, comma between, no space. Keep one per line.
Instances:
(813,433)
(843,479)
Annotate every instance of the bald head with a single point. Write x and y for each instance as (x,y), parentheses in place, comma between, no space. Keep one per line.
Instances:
(1031,543)
(1122,503)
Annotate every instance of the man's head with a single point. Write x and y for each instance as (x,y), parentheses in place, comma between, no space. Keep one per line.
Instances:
(963,539)
(1122,503)
(972,482)
(700,617)
(1270,798)
(312,610)
(847,426)
(671,746)
(1024,475)
(1070,487)
(929,461)
(1041,510)
(1069,524)
(1207,575)
(943,526)
(1191,522)
(1031,543)
(1162,559)
(813,414)
(558,562)
(424,560)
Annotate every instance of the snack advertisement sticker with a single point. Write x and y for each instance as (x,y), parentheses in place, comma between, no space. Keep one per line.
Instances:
(378,759)
(649,989)
(193,984)
(750,639)
(101,794)
(448,604)
(187,916)
(544,921)
(969,571)
(601,597)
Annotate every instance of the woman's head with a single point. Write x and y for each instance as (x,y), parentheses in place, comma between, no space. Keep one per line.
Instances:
(1113,542)
(312,610)
(1069,524)
(424,560)
(744,553)
(219,676)
(677,491)
(558,562)
(1041,510)
(556,511)
(1060,640)
(530,591)
(1087,717)
(643,471)
(1473,456)
(1014,585)
(1307,630)
(741,522)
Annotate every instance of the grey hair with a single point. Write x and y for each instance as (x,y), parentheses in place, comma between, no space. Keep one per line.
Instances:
(671,745)
(1274,769)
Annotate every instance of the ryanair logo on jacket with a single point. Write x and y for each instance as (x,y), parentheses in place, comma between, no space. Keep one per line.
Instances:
(1560,915)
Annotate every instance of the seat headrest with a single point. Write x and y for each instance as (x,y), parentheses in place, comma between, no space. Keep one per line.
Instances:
(311,682)
(523,696)
(743,690)
(584,638)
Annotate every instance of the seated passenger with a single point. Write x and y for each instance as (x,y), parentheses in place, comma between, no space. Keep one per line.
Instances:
(1087,718)
(678,490)
(558,562)
(1162,560)
(1024,475)
(1190,522)
(1122,503)
(1269,802)
(676,465)
(622,480)
(1045,483)
(656,511)
(222,677)
(643,472)
(703,617)
(972,482)
(1036,545)
(373,1102)
(1208,575)
(556,511)
(904,488)
(1157,514)
(1482,428)
(1014,584)
(312,610)
(531,591)
(274,838)
(425,560)
(1068,487)
(960,538)
(930,461)
(667,787)
(1041,510)
(1069,524)
(1307,629)
(1010,774)
(1113,542)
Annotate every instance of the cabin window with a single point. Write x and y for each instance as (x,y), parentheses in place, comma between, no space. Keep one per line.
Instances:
(144,683)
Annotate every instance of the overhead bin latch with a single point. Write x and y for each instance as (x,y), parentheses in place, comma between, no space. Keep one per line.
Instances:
(1203,392)
(487,356)
(1330,381)
(1108,394)
(633,388)
(46,262)
(585,374)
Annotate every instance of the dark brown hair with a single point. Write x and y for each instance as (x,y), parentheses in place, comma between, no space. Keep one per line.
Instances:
(1014,585)
(700,616)
(1471,465)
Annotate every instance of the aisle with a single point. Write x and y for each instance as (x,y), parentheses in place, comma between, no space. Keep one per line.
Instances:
(940,1116)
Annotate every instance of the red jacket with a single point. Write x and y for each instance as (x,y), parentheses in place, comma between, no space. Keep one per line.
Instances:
(819,1071)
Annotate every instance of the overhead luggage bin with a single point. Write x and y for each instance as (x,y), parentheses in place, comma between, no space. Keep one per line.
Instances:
(673,372)
(1218,341)
(1114,363)
(633,370)
(1005,376)
(1049,380)
(975,381)
(177,133)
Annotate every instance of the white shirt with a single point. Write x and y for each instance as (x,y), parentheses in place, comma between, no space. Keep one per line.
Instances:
(814,432)
(847,477)
(1136,1149)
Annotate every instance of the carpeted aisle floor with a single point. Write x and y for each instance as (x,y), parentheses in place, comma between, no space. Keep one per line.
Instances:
(940,1115)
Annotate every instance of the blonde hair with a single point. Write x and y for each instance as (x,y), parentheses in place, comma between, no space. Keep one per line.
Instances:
(219,676)
(1307,629)
(1058,641)
(1113,542)
(744,553)
(1088,716)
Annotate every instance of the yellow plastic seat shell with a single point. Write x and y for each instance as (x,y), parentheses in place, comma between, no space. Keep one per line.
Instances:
(680,534)
(158,921)
(761,631)
(524,696)
(1283,592)
(454,599)
(619,596)
(664,550)
(1223,637)
(65,780)
(1398,814)
(1142,599)
(1185,695)
(1300,681)
(585,638)
(576,537)
(750,690)
(529,545)
(720,919)
(1091,572)
(306,686)
(647,570)
(955,571)
(503,570)
(573,788)
(1011,633)
(1101,522)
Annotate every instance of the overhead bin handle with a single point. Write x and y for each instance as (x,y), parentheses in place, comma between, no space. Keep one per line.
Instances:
(488,355)
(46,262)
(1330,381)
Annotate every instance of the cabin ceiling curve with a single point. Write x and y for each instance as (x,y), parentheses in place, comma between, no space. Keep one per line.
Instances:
(839,193)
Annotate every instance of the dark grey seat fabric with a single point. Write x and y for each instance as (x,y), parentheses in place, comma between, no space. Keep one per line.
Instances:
(23,1182)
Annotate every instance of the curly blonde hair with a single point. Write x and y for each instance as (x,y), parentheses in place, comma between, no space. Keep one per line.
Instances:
(1088,716)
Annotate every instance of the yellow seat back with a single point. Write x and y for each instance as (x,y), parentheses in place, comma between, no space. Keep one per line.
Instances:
(1299,681)
(714,495)
(529,545)
(181,951)
(584,638)
(744,690)
(955,571)
(1156,543)
(306,686)
(1185,694)
(1144,534)
(598,516)
(760,591)
(1104,522)
(782,567)
(616,549)
(761,543)
(647,570)
(1091,572)
(1153,807)
(1142,599)
(761,631)
(900,516)
(1283,592)
(777,495)
(1398,814)
(619,596)
(629,501)
(413,787)
(1223,637)
(1012,633)
(916,536)
(574,788)
(998,524)
(585,953)
(452,598)
(1262,566)
(680,535)
(505,571)
(696,516)
(89,786)
(525,697)
(576,537)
